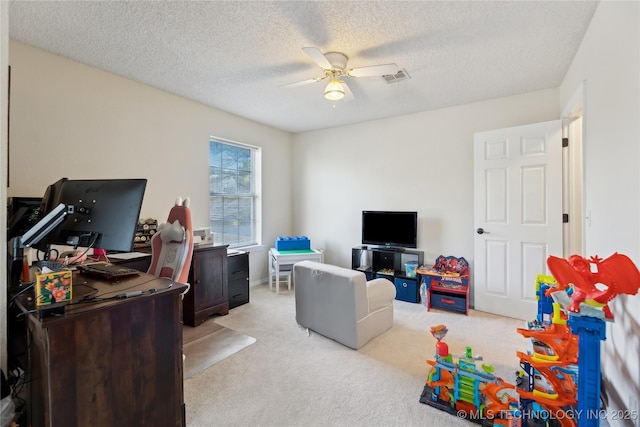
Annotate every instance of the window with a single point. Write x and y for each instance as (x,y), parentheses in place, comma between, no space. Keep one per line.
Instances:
(233,198)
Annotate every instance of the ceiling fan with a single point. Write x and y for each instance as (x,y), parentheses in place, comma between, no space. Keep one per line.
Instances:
(334,65)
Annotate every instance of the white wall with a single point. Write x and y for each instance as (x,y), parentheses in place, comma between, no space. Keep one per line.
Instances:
(421,162)
(71,120)
(608,64)
(4,62)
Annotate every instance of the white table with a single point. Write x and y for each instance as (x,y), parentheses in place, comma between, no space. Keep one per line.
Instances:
(284,260)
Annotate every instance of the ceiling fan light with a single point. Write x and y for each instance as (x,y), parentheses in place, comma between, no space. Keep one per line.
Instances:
(334,90)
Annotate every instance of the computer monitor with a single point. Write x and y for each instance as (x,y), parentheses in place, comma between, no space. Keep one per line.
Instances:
(100,213)
(22,214)
(50,194)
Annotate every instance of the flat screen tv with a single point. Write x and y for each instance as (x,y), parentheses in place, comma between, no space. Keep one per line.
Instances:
(390,228)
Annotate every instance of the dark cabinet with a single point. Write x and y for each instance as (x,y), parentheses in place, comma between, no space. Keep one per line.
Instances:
(238,268)
(209,285)
(390,264)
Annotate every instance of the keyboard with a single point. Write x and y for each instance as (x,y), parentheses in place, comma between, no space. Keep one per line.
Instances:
(109,271)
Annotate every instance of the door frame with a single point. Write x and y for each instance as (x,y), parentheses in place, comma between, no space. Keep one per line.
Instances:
(573,174)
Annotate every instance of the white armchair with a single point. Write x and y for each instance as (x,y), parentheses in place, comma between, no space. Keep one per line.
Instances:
(340,304)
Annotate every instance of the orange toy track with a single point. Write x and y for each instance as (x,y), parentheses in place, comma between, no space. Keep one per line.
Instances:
(559,339)
(494,404)
(564,389)
(564,392)
(445,382)
(565,348)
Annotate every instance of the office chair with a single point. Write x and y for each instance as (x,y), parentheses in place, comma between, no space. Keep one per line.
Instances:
(172,245)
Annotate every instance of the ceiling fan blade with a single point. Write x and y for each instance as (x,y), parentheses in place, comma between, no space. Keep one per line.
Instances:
(318,57)
(373,70)
(304,82)
(348,95)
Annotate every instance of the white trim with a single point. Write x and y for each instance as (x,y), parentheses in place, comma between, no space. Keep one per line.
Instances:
(252,248)
(573,173)
(231,142)
(4,148)
(575,105)
(256,185)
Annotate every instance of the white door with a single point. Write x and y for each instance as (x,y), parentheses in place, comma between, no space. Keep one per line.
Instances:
(517,215)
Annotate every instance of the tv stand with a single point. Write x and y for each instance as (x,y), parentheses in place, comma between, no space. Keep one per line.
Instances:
(389,263)
(390,249)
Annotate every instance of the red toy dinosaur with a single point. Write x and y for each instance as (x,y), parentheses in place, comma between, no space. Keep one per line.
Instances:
(618,274)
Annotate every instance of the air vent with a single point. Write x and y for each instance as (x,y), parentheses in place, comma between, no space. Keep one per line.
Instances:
(393,78)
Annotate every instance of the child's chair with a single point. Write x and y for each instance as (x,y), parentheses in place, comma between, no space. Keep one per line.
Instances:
(172,244)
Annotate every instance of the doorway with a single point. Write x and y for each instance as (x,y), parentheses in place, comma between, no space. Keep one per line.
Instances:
(499,287)
(517,214)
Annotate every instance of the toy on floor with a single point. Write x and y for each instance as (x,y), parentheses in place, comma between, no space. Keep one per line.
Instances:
(617,272)
(559,380)
(461,388)
(588,310)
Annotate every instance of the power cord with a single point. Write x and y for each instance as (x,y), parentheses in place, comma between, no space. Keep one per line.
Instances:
(80,256)
(31,285)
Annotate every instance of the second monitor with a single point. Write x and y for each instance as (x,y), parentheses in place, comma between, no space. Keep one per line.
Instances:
(100,213)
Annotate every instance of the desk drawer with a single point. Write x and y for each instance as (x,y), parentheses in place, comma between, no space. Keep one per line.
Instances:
(238,292)
(237,261)
(238,278)
(237,272)
(448,302)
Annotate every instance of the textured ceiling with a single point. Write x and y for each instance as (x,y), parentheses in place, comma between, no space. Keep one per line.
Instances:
(237,55)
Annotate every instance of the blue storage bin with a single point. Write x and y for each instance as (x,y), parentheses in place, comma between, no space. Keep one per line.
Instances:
(292,243)
(448,302)
(406,289)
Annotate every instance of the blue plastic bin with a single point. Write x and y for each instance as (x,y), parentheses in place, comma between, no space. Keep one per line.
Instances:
(292,243)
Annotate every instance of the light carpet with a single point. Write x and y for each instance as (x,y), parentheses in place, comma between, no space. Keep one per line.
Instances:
(289,378)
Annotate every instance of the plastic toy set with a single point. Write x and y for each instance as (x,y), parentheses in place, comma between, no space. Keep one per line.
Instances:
(558,383)
(292,243)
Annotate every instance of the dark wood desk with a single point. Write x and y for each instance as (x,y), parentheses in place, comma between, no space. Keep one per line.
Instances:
(208,277)
(209,293)
(109,363)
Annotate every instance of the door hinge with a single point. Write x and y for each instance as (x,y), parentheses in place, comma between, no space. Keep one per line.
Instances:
(565,218)
(565,142)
